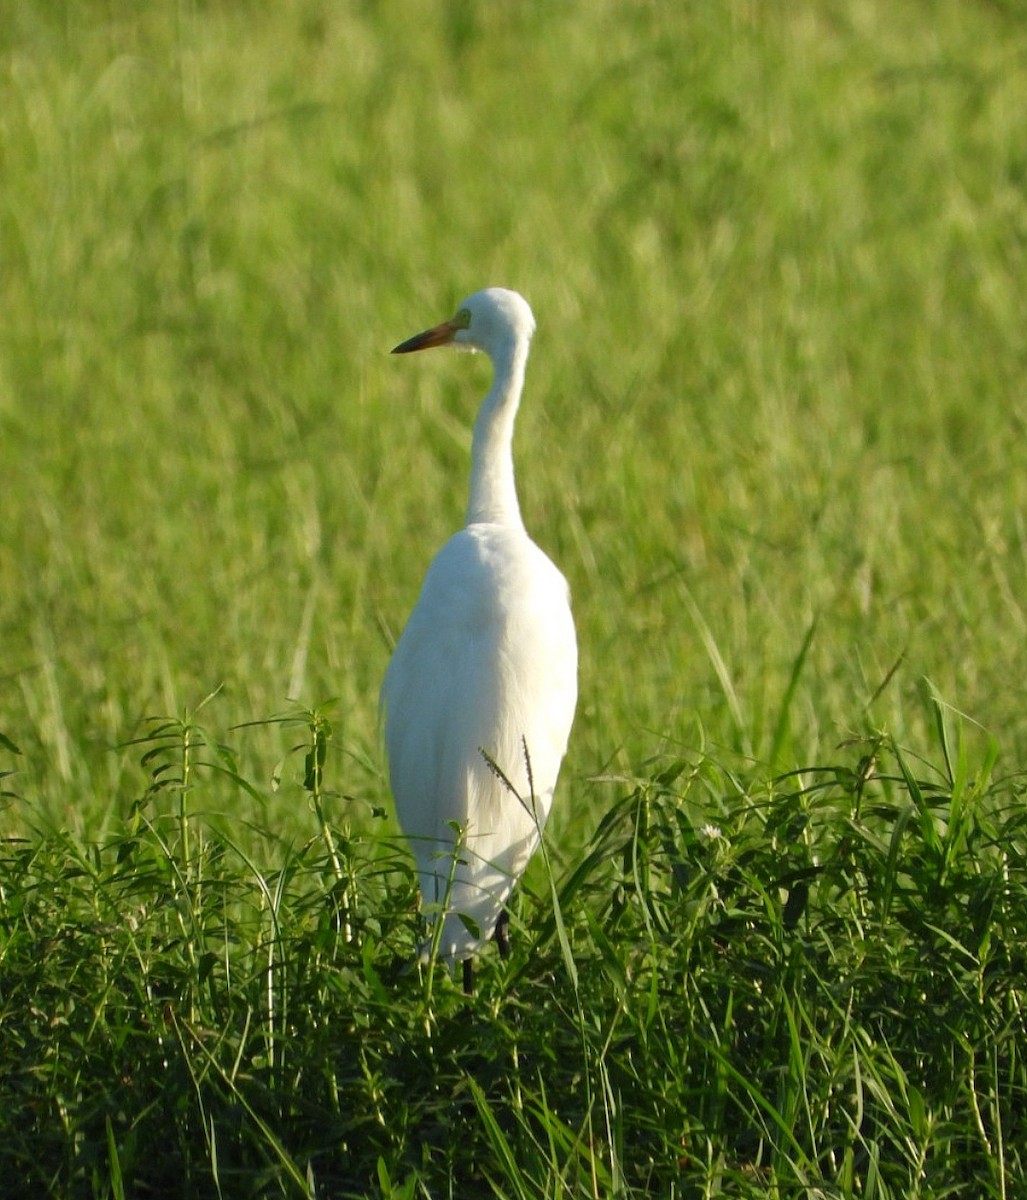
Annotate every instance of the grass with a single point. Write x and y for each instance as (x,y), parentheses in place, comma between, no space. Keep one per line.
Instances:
(771,432)
(805,986)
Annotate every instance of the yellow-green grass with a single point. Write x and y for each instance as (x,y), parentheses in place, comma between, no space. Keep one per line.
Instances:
(773,434)
(776,258)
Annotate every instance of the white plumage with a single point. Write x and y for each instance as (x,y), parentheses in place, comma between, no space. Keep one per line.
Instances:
(487,661)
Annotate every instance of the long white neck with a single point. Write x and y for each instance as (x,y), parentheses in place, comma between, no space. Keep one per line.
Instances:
(493,490)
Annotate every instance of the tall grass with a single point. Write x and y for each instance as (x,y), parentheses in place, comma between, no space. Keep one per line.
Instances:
(771,434)
(800,985)
(775,258)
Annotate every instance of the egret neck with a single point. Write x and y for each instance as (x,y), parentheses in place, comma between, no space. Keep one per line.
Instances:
(493,490)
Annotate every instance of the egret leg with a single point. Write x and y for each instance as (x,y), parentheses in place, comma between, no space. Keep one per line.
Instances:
(468,976)
(502,934)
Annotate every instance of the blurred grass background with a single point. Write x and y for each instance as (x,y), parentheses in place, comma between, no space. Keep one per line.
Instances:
(774,435)
(776,253)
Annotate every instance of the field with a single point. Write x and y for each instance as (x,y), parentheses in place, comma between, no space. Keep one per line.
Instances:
(773,434)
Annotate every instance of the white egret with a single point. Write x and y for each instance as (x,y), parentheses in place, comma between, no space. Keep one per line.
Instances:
(487,663)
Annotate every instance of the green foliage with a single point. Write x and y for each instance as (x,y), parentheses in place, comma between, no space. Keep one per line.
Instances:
(773,406)
(803,985)
(773,418)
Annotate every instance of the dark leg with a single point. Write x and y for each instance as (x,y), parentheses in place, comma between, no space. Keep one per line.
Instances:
(502,934)
(468,976)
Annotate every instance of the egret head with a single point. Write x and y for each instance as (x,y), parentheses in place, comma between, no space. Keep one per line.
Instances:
(492,320)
